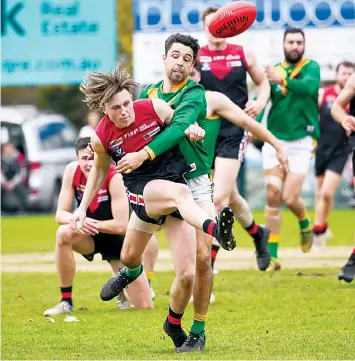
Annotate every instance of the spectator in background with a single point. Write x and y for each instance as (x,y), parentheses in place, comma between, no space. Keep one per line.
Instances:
(92,119)
(13,175)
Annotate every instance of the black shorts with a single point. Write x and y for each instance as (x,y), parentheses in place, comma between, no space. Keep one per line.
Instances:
(135,196)
(232,146)
(335,161)
(109,245)
(354,163)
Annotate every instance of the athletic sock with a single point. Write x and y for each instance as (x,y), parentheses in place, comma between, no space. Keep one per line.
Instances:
(320,228)
(274,244)
(134,272)
(304,223)
(174,320)
(255,231)
(210,227)
(67,294)
(214,251)
(199,325)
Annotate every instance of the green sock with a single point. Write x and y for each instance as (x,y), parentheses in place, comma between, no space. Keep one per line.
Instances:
(134,272)
(304,225)
(198,327)
(273,245)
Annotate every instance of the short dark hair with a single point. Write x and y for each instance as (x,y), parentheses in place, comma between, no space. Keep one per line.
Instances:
(186,40)
(81,143)
(208,11)
(294,31)
(346,64)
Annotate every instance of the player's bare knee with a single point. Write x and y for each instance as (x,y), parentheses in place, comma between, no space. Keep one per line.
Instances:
(220,200)
(130,258)
(186,278)
(326,194)
(64,236)
(290,199)
(235,200)
(273,196)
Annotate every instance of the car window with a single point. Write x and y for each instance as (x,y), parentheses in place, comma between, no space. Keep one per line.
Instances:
(13,133)
(56,135)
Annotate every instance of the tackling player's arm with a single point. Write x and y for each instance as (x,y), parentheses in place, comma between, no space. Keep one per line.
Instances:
(119,208)
(222,106)
(255,106)
(340,103)
(66,196)
(193,103)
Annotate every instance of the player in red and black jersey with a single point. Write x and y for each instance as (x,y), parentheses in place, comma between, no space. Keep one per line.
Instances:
(224,68)
(347,96)
(102,232)
(332,153)
(156,189)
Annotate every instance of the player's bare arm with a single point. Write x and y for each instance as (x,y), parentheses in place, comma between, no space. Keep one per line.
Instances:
(339,105)
(95,180)
(222,106)
(119,208)
(66,196)
(65,201)
(257,74)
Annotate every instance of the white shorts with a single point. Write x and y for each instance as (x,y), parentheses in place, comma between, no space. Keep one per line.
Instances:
(299,154)
(201,188)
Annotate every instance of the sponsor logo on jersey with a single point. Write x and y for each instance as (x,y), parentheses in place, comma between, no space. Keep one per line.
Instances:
(205,67)
(232,57)
(233,64)
(205,59)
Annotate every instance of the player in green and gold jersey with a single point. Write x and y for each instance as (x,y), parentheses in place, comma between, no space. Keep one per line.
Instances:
(293,118)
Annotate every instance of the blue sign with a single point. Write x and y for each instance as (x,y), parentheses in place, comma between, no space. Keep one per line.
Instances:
(184,15)
(56,41)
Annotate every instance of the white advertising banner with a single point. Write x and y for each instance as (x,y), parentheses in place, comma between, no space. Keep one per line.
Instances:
(329,26)
(328,46)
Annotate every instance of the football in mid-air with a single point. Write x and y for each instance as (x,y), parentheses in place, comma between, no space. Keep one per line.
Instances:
(232,19)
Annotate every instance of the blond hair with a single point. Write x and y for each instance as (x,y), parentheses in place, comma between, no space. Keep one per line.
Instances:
(99,88)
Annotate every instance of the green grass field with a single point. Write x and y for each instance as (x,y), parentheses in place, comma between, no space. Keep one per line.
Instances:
(37,233)
(298,314)
(303,314)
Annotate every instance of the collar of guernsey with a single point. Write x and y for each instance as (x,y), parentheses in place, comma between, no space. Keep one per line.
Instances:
(290,71)
(178,89)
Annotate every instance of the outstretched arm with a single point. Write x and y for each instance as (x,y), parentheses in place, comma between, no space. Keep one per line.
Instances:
(255,106)
(222,106)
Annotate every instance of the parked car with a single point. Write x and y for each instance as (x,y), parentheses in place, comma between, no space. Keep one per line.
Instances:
(47,142)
